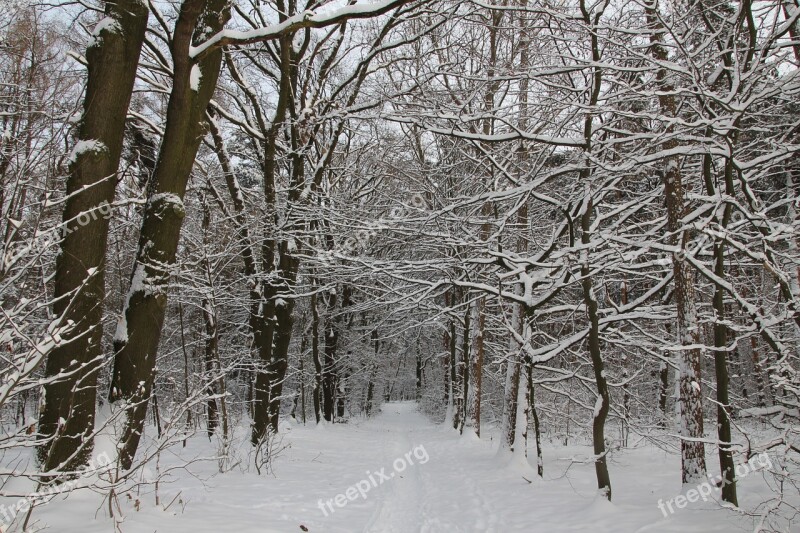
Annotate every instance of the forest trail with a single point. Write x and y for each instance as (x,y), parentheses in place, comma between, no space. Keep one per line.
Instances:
(434,477)
(414,500)
(399,472)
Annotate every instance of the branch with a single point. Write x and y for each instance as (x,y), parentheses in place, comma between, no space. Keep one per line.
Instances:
(306,19)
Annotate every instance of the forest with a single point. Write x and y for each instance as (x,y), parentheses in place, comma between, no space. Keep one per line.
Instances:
(532,250)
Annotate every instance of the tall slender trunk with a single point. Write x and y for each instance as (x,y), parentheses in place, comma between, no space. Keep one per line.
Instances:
(277,367)
(464,371)
(139,329)
(68,410)
(418,369)
(372,371)
(726,463)
(447,397)
(512,408)
(329,362)
(528,369)
(626,388)
(602,402)
(452,402)
(316,357)
(663,387)
(211,348)
(510,395)
(693,463)
(210,363)
(475,365)
(459,340)
(514,372)
(261,308)
(474,375)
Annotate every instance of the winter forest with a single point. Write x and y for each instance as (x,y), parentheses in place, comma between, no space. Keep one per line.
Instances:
(400,266)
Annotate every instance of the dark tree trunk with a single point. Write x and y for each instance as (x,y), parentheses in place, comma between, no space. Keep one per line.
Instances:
(536,429)
(727,465)
(139,331)
(603,400)
(758,369)
(341,396)
(371,384)
(329,368)
(663,387)
(209,360)
(276,368)
(80,267)
(315,355)
(211,339)
(446,367)
(418,374)
(693,464)
(463,375)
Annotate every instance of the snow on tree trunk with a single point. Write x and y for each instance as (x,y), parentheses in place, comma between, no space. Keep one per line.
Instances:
(693,464)
(68,411)
(135,351)
(475,363)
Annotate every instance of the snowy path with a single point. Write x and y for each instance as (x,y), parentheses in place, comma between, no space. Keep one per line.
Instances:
(415,477)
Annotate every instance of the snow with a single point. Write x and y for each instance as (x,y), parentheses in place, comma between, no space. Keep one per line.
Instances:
(446,484)
(167,197)
(85,146)
(194,78)
(106,24)
(138,283)
(26,363)
(321,17)
(297,43)
(121,333)
(168,201)
(598,406)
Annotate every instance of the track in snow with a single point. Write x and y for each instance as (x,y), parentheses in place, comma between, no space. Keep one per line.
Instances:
(462,487)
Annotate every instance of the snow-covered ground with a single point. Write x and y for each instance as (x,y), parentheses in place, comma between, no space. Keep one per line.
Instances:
(415,476)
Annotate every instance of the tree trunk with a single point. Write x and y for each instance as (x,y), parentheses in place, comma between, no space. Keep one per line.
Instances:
(139,329)
(603,401)
(68,411)
(329,363)
(727,465)
(372,371)
(512,409)
(209,360)
(315,355)
(515,358)
(536,429)
(693,464)
(418,369)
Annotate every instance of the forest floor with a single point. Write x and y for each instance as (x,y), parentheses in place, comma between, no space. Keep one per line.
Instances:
(401,473)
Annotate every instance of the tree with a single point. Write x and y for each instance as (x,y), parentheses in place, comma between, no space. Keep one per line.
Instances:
(67,419)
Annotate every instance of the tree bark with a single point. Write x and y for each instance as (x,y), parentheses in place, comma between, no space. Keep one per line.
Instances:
(315,355)
(139,330)
(693,464)
(67,418)
(603,400)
